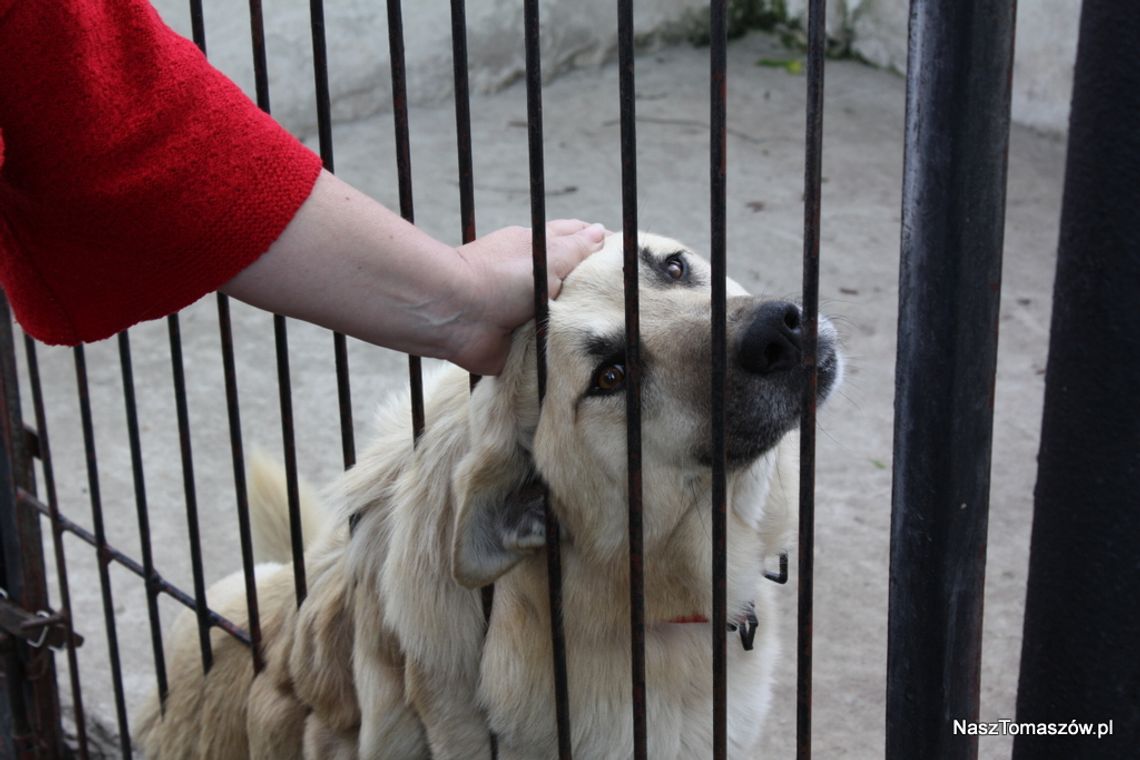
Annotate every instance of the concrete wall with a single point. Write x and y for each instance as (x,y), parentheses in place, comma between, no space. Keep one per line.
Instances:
(574,32)
(1044,50)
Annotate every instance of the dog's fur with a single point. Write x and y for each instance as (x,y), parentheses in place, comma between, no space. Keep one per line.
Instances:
(389,656)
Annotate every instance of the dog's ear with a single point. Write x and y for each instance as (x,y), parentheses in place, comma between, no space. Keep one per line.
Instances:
(500,517)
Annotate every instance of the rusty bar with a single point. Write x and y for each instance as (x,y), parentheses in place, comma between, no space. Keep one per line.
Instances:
(260,64)
(404,180)
(281,342)
(175,331)
(463,119)
(190,489)
(953,216)
(57,543)
(467,203)
(114,555)
(541,311)
(324,133)
(101,549)
(717,171)
(288,442)
(813,154)
(626,95)
(127,368)
(233,410)
(32,694)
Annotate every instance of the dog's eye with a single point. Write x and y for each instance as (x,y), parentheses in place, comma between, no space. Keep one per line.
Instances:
(609,379)
(675,267)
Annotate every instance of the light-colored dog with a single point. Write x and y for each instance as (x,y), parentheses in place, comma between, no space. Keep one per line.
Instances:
(389,656)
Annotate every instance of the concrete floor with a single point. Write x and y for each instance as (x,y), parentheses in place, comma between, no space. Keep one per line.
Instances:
(862,164)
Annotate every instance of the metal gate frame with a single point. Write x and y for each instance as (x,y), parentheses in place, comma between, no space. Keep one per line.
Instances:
(958,91)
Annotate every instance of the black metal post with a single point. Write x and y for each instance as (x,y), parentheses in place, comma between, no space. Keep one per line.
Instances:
(957,132)
(1080,658)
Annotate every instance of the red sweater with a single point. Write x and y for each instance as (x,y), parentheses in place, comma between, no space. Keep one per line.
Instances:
(134,177)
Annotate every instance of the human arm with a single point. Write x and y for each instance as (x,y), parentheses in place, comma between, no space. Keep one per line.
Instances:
(348,263)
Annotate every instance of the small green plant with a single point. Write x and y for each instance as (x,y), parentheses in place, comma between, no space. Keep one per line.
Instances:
(741,17)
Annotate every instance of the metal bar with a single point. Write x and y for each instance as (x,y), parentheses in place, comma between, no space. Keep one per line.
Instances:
(57,543)
(101,549)
(141,509)
(463,119)
(260,62)
(163,586)
(32,695)
(631,265)
(541,311)
(324,133)
(467,204)
(813,156)
(404,180)
(953,209)
(234,412)
(284,389)
(188,486)
(1078,656)
(717,170)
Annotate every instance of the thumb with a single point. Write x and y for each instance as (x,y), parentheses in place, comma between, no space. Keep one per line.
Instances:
(565,252)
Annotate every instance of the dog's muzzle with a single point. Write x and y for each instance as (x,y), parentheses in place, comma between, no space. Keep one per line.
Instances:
(767,377)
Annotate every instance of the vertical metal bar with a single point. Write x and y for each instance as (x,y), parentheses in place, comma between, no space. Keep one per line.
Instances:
(467,202)
(242,495)
(463,119)
(953,211)
(175,331)
(632,371)
(718,170)
(813,155)
(260,62)
(131,407)
(541,311)
(104,558)
(324,133)
(288,441)
(281,343)
(188,486)
(404,179)
(32,694)
(57,544)
(1082,622)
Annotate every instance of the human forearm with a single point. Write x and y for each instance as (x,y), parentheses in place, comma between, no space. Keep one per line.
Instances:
(348,263)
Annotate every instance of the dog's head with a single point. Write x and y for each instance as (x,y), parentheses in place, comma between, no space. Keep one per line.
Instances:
(577,444)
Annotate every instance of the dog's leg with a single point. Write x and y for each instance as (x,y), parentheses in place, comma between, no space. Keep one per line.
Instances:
(324,743)
(276,721)
(456,727)
(389,729)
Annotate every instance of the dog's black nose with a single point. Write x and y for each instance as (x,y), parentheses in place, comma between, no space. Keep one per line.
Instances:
(771,341)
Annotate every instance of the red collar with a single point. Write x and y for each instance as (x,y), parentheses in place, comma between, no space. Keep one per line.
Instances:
(746,623)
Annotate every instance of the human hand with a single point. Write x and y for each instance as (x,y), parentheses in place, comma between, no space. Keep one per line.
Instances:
(499,286)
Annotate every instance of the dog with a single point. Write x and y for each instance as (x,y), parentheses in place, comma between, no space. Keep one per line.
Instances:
(390,655)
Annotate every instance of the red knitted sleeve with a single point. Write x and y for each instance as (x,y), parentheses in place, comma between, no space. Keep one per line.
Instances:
(134,177)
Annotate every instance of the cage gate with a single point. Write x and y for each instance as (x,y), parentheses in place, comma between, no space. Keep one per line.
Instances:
(948,103)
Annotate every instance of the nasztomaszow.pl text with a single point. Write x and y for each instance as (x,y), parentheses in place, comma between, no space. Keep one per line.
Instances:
(1013,728)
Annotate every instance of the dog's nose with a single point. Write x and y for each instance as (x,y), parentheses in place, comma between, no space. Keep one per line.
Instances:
(771,341)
